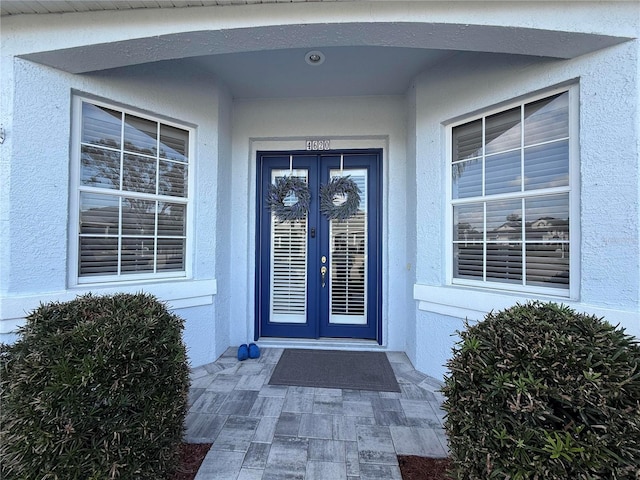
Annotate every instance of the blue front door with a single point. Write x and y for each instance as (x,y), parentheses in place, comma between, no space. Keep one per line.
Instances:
(316,276)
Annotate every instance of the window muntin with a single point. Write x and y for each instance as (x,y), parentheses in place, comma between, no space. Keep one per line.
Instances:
(510,198)
(133,195)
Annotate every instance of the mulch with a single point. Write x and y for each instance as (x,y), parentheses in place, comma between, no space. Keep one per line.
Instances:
(191,457)
(423,468)
(411,466)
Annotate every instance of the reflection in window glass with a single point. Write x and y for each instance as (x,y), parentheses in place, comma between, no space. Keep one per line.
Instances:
(510,196)
(128,167)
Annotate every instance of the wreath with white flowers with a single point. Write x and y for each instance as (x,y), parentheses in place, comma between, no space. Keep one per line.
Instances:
(340,198)
(289,198)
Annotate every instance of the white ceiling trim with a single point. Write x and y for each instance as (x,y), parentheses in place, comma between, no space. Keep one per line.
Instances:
(31,7)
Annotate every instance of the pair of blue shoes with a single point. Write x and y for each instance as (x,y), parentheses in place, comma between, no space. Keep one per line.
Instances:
(251,351)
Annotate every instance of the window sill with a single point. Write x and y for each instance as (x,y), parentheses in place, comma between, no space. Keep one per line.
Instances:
(474,304)
(178,294)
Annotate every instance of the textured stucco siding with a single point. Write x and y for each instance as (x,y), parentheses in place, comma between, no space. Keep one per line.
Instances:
(34,254)
(609,276)
(420,311)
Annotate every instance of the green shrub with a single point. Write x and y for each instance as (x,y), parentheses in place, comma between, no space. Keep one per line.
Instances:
(539,391)
(95,388)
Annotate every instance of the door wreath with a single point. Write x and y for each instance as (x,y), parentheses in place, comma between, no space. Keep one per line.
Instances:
(289,198)
(340,198)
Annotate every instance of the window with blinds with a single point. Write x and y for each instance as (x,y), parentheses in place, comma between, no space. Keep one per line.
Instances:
(288,262)
(132,196)
(348,259)
(510,197)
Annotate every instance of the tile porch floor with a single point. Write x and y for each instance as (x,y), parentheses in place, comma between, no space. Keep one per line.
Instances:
(269,432)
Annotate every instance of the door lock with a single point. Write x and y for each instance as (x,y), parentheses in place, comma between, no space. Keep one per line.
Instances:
(323,272)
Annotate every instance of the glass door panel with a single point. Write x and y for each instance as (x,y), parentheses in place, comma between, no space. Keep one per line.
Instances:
(348,259)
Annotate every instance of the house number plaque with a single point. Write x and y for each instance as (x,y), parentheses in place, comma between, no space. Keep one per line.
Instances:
(319,144)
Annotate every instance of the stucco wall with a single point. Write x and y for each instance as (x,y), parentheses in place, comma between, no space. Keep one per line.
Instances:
(34,160)
(350,123)
(609,182)
(35,202)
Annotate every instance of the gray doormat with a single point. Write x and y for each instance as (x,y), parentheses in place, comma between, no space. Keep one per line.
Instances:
(335,369)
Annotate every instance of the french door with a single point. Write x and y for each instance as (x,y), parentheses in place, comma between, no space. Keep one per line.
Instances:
(318,276)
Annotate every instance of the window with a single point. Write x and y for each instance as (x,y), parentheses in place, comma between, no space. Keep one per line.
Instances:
(132,185)
(511,197)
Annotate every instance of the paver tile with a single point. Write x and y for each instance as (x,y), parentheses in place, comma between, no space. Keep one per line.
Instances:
(359,408)
(238,402)
(257,455)
(417,441)
(203,427)
(375,445)
(220,465)
(327,405)
(237,433)
(267,407)
(288,424)
(208,402)
(327,450)
(316,426)
(325,471)
(250,474)
(266,430)
(298,403)
(344,428)
(379,472)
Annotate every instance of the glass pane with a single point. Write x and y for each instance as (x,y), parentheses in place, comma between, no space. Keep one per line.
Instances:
(140,135)
(503,173)
(100,168)
(171,254)
(138,216)
(548,264)
(467,179)
(547,218)
(137,255)
(98,214)
(467,140)
(348,259)
(547,166)
(468,260)
(504,221)
(502,131)
(98,256)
(171,219)
(288,264)
(174,143)
(139,174)
(504,262)
(468,222)
(173,179)
(101,126)
(547,119)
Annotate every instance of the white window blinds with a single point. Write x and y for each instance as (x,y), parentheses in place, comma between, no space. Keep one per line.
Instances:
(510,196)
(133,196)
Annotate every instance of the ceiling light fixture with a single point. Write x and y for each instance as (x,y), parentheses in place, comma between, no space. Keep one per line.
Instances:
(314,58)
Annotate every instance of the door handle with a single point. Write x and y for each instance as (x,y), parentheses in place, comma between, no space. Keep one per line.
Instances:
(323,273)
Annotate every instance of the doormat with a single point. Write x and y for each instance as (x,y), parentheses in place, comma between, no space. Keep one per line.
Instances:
(335,369)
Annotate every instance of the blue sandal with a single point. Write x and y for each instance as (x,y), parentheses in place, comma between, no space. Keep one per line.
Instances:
(254,351)
(243,352)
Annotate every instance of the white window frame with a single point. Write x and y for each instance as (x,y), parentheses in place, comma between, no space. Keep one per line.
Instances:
(573,189)
(74,278)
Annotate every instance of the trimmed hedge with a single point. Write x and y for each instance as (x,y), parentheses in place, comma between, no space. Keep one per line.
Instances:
(95,388)
(539,391)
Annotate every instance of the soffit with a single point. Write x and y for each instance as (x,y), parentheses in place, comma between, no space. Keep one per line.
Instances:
(26,7)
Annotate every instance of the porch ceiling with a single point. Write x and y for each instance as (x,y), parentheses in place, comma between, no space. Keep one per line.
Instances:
(363,56)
